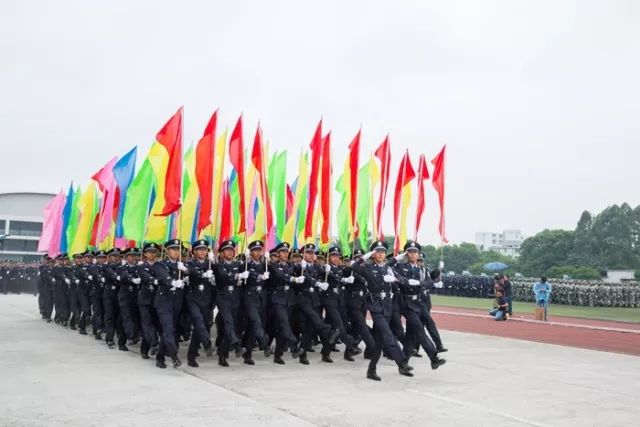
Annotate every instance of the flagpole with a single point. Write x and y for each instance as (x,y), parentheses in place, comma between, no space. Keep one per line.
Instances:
(373,205)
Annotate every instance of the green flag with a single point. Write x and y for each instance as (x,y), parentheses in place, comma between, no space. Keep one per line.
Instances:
(136,208)
(280,189)
(363,214)
(343,217)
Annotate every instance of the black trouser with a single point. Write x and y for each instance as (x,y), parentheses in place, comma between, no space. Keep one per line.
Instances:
(384,338)
(396,323)
(150,325)
(112,319)
(284,335)
(416,333)
(74,306)
(168,342)
(61,302)
(85,307)
(314,325)
(97,319)
(227,320)
(334,318)
(129,312)
(48,302)
(201,313)
(359,325)
(41,297)
(430,324)
(252,304)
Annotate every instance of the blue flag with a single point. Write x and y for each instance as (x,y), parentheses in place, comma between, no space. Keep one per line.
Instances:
(123,172)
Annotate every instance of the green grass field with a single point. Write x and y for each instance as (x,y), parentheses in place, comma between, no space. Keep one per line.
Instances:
(602,313)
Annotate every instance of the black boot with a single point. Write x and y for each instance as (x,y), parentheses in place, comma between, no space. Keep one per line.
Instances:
(372,375)
(304,360)
(154,350)
(405,369)
(192,363)
(144,355)
(278,360)
(268,351)
(442,350)
(160,364)
(348,355)
(208,348)
(327,359)
(296,350)
(111,344)
(97,337)
(437,362)
(82,332)
(176,362)
(238,350)
(123,348)
(249,361)
(223,361)
(415,353)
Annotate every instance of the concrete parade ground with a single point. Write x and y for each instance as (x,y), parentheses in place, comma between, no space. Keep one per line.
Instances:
(53,376)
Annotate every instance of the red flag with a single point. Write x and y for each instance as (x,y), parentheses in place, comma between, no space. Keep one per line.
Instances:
(290,201)
(257,158)
(383,152)
(225,221)
(354,153)
(170,137)
(204,171)
(236,157)
(316,146)
(325,196)
(405,175)
(423,174)
(438,184)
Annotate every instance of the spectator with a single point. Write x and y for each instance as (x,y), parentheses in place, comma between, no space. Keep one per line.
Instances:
(499,312)
(542,292)
(506,288)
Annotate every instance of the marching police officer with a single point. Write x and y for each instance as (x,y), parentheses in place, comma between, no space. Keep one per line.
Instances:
(356,294)
(97,289)
(411,279)
(149,322)
(199,301)
(379,277)
(128,294)
(112,320)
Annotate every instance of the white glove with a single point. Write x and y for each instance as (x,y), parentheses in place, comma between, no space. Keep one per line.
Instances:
(90,277)
(438,285)
(118,278)
(136,280)
(181,267)
(414,282)
(122,262)
(304,264)
(322,285)
(247,253)
(178,284)
(367,255)
(265,275)
(244,275)
(207,274)
(53,280)
(389,278)
(211,256)
(155,282)
(441,265)
(140,262)
(401,256)
(77,281)
(348,280)
(327,268)
(67,281)
(300,280)
(102,279)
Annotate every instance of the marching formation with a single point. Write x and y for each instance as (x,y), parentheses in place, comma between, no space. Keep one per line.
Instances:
(277,302)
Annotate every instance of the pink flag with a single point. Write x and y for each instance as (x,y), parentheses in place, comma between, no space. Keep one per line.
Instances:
(107,183)
(52,214)
(54,247)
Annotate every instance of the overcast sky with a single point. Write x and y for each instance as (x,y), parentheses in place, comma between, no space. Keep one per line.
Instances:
(538,101)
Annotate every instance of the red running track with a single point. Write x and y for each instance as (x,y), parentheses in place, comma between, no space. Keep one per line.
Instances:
(581,334)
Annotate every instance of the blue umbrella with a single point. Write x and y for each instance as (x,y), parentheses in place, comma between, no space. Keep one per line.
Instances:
(495,266)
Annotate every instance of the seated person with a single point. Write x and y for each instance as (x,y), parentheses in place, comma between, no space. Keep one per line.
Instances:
(499,311)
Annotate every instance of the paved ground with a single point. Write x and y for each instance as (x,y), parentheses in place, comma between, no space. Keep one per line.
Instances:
(619,337)
(50,375)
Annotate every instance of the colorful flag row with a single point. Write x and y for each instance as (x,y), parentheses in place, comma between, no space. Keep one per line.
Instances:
(193,195)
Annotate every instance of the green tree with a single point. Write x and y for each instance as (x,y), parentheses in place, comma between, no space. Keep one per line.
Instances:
(546,249)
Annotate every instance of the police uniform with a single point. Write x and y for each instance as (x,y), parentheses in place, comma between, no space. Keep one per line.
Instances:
(356,295)
(228,301)
(331,302)
(411,280)
(199,303)
(380,308)
(253,303)
(149,322)
(76,279)
(83,289)
(97,289)
(280,283)
(61,280)
(128,296)
(112,319)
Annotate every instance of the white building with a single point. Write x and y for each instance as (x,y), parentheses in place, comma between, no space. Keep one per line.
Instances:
(21,216)
(507,243)
(620,276)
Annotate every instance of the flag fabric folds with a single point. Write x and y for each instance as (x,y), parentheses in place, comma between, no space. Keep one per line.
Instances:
(438,184)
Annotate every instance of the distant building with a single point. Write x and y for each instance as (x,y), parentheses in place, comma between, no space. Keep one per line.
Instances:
(507,243)
(21,225)
(619,276)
